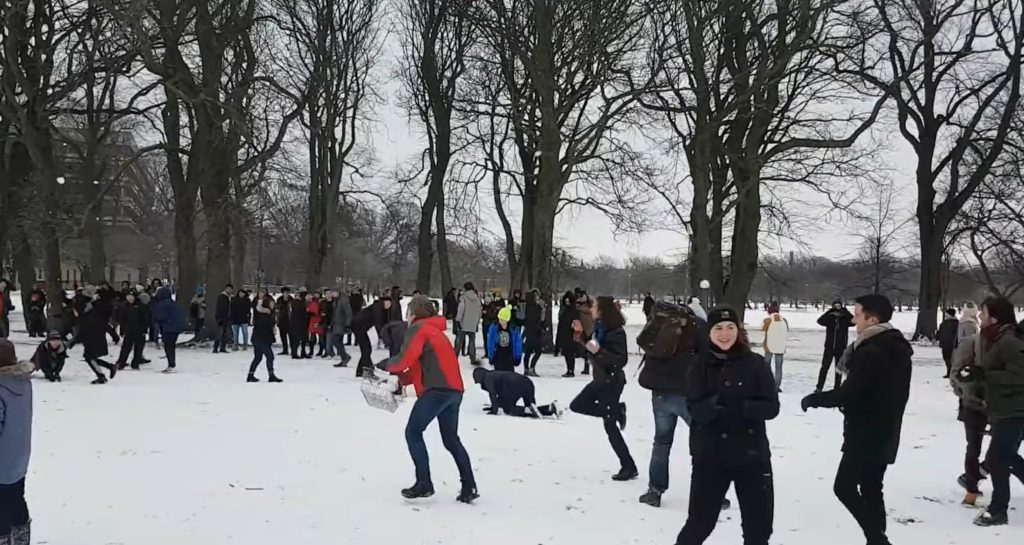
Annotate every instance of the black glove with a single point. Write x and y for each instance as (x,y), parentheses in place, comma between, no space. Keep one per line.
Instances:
(807,402)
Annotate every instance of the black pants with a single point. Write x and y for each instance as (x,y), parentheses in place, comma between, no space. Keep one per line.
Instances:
(132,345)
(348,337)
(1004,459)
(223,335)
(831,355)
(570,362)
(282,331)
(974,431)
(365,351)
(531,356)
(260,350)
(947,357)
(859,487)
(96,364)
(299,338)
(601,400)
(154,333)
(755,491)
(170,348)
(13,509)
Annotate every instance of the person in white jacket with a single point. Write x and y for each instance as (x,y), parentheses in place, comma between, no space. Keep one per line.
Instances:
(697,309)
(776,332)
(468,317)
(969,326)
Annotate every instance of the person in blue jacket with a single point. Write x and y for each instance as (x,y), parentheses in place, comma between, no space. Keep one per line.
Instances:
(171,321)
(504,343)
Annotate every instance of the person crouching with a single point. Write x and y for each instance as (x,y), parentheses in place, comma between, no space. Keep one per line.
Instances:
(428,362)
(506,389)
(50,356)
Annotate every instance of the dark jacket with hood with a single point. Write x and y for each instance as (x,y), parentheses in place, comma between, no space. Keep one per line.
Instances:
(168,317)
(837,324)
(730,396)
(948,329)
(567,312)
(505,388)
(873,397)
(132,320)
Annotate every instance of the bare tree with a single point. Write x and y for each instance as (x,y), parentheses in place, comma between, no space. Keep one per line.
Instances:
(881,234)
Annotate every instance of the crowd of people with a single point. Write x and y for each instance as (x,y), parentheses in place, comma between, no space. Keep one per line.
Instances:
(700,367)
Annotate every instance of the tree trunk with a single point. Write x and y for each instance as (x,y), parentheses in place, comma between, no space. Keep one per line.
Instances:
(443,263)
(744,252)
(24,265)
(424,242)
(928,297)
(97,251)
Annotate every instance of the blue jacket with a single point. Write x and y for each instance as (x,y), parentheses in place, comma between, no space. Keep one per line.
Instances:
(166,313)
(15,421)
(517,342)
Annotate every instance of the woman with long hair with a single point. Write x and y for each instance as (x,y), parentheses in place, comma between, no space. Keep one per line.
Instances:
(601,397)
(731,393)
(533,331)
(564,341)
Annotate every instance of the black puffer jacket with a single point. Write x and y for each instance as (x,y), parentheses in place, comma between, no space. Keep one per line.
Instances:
(837,324)
(610,361)
(730,397)
(873,397)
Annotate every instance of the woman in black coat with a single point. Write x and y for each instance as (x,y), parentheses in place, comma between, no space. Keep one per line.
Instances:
(565,341)
(730,394)
(601,397)
(93,329)
(533,331)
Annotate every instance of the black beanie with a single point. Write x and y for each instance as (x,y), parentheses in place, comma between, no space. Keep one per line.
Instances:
(723,314)
(876,305)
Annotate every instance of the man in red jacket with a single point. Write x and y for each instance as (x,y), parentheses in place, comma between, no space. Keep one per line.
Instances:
(428,362)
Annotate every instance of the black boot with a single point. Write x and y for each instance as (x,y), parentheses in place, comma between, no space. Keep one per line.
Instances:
(626,474)
(467,495)
(418,491)
(273,378)
(652,498)
(252,378)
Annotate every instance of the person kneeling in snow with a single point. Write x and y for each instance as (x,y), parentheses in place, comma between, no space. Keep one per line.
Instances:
(506,388)
(15,445)
(50,356)
(428,362)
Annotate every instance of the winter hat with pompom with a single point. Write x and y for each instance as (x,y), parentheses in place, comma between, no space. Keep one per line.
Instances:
(505,314)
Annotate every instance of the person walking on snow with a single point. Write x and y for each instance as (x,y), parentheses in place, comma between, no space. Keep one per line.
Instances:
(170,320)
(93,328)
(468,316)
(873,400)
(970,411)
(1001,373)
(949,338)
(776,332)
(506,389)
(837,322)
(730,396)
(504,343)
(601,398)
(533,331)
(15,445)
(263,339)
(428,362)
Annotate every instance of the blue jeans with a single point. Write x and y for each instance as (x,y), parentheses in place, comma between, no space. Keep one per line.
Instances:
(242,329)
(777,358)
(668,409)
(442,405)
(262,349)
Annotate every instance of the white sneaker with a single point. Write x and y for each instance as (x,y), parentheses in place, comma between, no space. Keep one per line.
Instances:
(169,370)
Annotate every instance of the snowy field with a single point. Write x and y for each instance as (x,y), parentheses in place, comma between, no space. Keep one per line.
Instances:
(202,457)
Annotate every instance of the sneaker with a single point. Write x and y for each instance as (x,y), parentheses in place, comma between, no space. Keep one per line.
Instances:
(274,378)
(556,411)
(989,519)
(467,495)
(569,374)
(169,371)
(251,378)
(341,364)
(625,474)
(622,417)
(652,498)
(418,491)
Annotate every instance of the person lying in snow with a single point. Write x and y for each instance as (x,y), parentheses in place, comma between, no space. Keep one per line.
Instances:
(506,388)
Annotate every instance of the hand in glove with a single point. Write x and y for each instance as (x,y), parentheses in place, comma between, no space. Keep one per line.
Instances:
(807,402)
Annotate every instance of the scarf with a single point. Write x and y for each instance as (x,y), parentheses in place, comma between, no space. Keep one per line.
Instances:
(868,332)
(993,333)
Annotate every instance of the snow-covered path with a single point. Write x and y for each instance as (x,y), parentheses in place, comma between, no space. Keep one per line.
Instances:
(202,457)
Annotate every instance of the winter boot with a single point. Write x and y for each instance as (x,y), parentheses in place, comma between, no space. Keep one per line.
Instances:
(626,474)
(22,535)
(111,368)
(467,495)
(100,380)
(569,374)
(251,378)
(652,498)
(418,491)
(342,363)
(989,519)
(273,378)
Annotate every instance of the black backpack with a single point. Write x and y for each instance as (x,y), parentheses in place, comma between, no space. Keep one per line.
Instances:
(663,336)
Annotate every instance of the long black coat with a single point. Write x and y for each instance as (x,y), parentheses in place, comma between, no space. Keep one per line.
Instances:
(873,398)
(93,329)
(837,324)
(948,333)
(730,397)
(564,334)
(533,327)
(283,309)
(263,325)
(223,311)
(299,319)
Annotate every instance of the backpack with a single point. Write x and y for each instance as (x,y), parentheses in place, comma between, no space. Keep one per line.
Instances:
(663,336)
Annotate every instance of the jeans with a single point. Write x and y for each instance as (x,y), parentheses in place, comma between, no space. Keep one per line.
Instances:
(170,348)
(242,329)
(947,358)
(777,358)
(975,423)
(755,490)
(262,349)
(827,358)
(1004,459)
(601,399)
(330,343)
(859,487)
(442,405)
(461,344)
(669,407)
(13,509)
(337,342)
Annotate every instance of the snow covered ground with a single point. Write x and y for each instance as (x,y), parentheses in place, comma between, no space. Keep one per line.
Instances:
(202,457)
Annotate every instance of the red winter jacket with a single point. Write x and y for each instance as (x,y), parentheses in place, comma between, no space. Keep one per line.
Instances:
(313,308)
(427,359)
